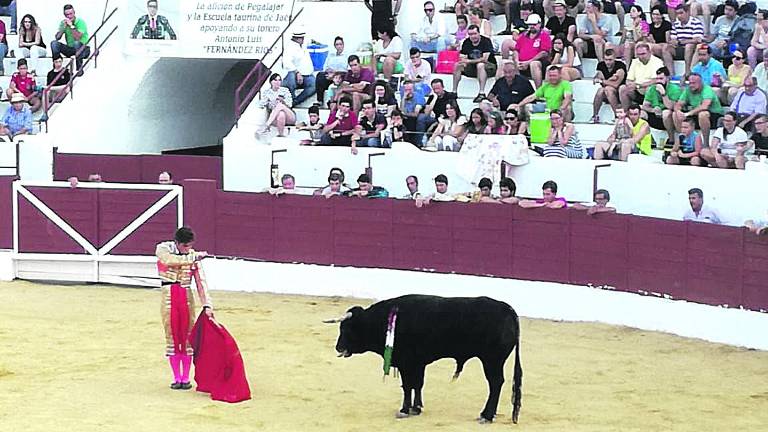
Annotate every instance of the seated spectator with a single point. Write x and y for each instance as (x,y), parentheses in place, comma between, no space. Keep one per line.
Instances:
(357,82)
(687,145)
(631,134)
(636,31)
(749,103)
(712,71)
(720,34)
(757,226)
(477,122)
(3,46)
(761,72)
(277,100)
(561,22)
(449,132)
(366,189)
(511,89)
(687,34)
(563,140)
(495,124)
(8,8)
(438,100)
(661,36)
(611,74)
(729,145)
(518,11)
(387,52)
(698,211)
(549,198)
(165,178)
(620,137)
(461,32)
(600,205)
(287,186)
(418,71)
(431,35)
(335,186)
(477,18)
(383,97)
(477,61)
(530,50)
(507,190)
(738,72)
(592,36)
(60,88)
(514,125)
(701,103)
(759,43)
(566,57)
(641,75)
(572,7)
(759,139)
(314,129)
(17,119)
(395,131)
(659,102)
(335,63)
(298,63)
(31,43)
(557,92)
(333,92)
(92,178)
(370,125)
(75,34)
(411,106)
(23,82)
(412,183)
(341,124)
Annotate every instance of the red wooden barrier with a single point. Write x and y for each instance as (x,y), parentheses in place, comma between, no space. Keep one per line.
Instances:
(702,263)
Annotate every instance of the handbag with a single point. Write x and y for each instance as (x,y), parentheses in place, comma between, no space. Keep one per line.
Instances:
(446,60)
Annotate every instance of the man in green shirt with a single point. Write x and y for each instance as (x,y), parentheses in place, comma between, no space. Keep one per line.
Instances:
(699,102)
(557,93)
(659,102)
(76,35)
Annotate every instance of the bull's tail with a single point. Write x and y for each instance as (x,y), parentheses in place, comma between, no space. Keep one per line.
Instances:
(517,381)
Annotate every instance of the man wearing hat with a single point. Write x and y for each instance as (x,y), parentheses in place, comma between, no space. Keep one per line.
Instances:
(531,49)
(299,68)
(18,118)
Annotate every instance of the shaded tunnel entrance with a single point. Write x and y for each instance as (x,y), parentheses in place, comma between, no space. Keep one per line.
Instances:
(186,104)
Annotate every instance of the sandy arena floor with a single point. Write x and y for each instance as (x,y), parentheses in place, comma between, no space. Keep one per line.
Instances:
(90,358)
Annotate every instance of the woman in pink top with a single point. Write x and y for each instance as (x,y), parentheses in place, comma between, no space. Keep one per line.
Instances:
(637,30)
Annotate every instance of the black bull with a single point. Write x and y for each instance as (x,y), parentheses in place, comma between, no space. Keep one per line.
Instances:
(430,328)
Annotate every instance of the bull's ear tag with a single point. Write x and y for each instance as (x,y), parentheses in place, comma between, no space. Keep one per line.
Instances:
(389,343)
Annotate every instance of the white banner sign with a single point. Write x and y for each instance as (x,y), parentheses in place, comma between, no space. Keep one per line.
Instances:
(206,28)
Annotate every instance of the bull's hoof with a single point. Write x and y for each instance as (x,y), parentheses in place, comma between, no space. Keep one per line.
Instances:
(401,415)
(483,420)
(415,411)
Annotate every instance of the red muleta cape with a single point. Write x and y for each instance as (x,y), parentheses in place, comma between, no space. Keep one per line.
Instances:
(219,367)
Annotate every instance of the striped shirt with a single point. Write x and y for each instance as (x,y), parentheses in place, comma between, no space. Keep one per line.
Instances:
(694,28)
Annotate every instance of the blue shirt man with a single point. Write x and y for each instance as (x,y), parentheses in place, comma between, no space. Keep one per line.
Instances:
(708,67)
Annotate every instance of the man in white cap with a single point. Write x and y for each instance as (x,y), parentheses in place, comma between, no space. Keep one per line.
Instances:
(18,118)
(298,66)
(530,50)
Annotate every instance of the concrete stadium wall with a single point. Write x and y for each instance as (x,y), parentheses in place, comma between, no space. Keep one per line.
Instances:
(137,169)
(716,265)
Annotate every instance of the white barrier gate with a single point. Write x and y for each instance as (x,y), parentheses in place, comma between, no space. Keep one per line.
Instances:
(96,264)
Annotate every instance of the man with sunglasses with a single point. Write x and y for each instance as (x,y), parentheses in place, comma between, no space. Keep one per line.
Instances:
(748,104)
(431,34)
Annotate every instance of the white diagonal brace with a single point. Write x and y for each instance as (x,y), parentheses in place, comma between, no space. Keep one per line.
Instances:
(139,221)
(53,217)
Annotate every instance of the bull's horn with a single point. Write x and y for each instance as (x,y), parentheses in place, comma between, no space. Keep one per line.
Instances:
(338,320)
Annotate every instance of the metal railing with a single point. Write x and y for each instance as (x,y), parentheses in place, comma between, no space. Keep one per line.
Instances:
(260,72)
(75,72)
